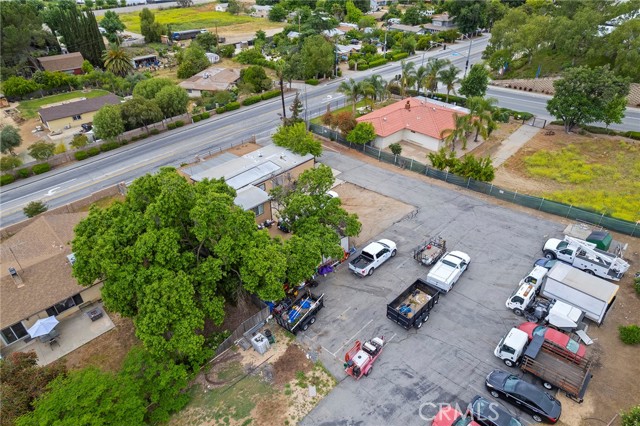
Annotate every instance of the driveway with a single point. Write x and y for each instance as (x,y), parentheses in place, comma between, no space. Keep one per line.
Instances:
(447,360)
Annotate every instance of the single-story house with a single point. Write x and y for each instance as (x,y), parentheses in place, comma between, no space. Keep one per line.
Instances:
(222,7)
(253,175)
(37,283)
(75,112)
(258,11)
(333,33)
(411,29)
(71,63)
(210,80)
(412,120)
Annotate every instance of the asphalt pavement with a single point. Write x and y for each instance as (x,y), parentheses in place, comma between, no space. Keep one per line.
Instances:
(447,360)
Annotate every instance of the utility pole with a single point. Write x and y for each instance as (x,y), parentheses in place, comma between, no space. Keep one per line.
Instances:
(468,56)
(385,42)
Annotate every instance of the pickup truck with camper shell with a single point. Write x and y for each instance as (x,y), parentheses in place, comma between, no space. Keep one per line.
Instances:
(447,271)
(372,256)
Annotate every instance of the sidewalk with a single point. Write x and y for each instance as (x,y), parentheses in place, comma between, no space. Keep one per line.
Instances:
(513,143)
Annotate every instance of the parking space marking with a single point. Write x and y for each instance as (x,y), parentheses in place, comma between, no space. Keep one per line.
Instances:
(351,338)
(344,312)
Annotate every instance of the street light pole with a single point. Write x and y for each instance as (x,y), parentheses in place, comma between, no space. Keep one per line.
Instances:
(468,56)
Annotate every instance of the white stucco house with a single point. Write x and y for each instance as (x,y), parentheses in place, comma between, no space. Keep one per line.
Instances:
(412,120)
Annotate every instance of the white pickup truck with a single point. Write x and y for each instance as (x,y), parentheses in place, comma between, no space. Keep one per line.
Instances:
(446,272)
(372,256)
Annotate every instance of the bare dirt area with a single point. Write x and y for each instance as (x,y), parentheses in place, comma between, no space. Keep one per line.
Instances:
(244,387)
(108,351)
(375,211)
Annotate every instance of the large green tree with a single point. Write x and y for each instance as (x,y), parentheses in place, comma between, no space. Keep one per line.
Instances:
(297,139)
(171,254)
(353,90)
(87,397)
(191,61)
(42,150)
(585,95)
(108,123)
(148,89)
(10,139)
(623,47)
(150,29)
(140,112)
(255,79)
(172,100)
(112,25)
(469,15)
(476,82)
(22,381)
(317,56)
(362,134)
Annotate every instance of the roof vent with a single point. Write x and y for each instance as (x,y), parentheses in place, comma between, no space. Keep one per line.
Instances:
(384,118)
(17,279)
(407,106)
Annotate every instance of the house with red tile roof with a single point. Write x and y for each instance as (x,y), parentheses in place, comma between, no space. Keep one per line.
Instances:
(411,120)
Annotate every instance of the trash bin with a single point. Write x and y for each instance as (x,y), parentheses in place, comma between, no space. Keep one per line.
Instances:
(269,336)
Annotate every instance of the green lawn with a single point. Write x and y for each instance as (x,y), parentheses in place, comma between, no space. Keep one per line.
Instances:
(29,109)
(598,174)
(188,18)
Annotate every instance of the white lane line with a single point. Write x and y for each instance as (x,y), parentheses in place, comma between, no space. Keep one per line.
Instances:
(351,338)
(344,312)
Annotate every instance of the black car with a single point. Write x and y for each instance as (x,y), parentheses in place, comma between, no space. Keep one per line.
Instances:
(489,413)
(538,403)
(86,127)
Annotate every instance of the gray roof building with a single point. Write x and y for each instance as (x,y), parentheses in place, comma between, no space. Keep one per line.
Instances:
(71,108)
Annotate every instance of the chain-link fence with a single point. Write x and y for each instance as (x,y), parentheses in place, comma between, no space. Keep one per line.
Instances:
(541,204)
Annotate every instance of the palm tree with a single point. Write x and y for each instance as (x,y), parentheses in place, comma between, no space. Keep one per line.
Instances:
(421,75)
(431,79)
(407,77)
(352,90)
(380,87)
(368,92)
(449,77)
(460,130)
(481,111)
(117,60)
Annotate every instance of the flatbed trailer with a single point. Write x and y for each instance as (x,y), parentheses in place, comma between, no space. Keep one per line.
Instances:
(556,368)
(412,307)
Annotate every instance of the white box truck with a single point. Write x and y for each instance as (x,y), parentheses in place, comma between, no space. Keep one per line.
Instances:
(593,295)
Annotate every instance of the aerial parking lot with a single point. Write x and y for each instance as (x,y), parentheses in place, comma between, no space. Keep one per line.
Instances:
(448,359)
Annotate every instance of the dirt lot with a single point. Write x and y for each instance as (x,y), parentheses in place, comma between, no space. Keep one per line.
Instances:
(244,387)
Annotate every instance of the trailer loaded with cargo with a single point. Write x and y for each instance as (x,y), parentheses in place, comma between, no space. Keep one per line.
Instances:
(298,314)
(412,307)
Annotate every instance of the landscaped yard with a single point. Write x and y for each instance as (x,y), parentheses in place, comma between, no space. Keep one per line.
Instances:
(29,109)
(599,173)
(190,18)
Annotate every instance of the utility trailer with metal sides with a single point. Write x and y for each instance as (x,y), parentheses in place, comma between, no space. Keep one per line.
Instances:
(299,314)
(556,368)
(430,251)
(412,307)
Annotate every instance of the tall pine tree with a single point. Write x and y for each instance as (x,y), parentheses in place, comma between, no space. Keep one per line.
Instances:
(79,31)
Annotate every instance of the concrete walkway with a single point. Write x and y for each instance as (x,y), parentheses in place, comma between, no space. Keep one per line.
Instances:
(513,143)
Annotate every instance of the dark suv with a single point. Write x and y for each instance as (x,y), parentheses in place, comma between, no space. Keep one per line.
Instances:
(538,403)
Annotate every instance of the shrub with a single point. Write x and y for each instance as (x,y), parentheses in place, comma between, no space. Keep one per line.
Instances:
(196,118)
(10,162)
(633,135)
(154,132)
(520,115)
(599,130)
(352,64)
(221,110)
(108,146)
(377,63)
(6,179)
(631,417)
(171,126)
(34,208)
(629,334)
(252,100)
(81,155)
(362,65)
(205,115)
(60,148)
(143,136)
(232,106)
(636,284)
(312,82)
(24,173)
(38,169)
(270,94)
(93,151)
(179,123)
(400,55)
(396,148)
(79,141)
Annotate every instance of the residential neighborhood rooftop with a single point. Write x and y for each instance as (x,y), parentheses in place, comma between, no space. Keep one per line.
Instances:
(76,107)
(38,253)
(65,62)
(212,79)
(412,114)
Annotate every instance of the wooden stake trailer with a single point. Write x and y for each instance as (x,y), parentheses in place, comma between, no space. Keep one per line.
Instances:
(412,307)
(556,368)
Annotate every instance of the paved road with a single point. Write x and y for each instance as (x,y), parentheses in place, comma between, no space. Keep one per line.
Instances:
(173,148)
(447,360)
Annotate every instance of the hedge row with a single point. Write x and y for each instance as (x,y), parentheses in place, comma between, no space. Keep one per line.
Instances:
(252,100)
(271,94)
(378,62)
(399,56)
(312,82)
(38,169)
(199,117)
(6,179)
(175,124)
